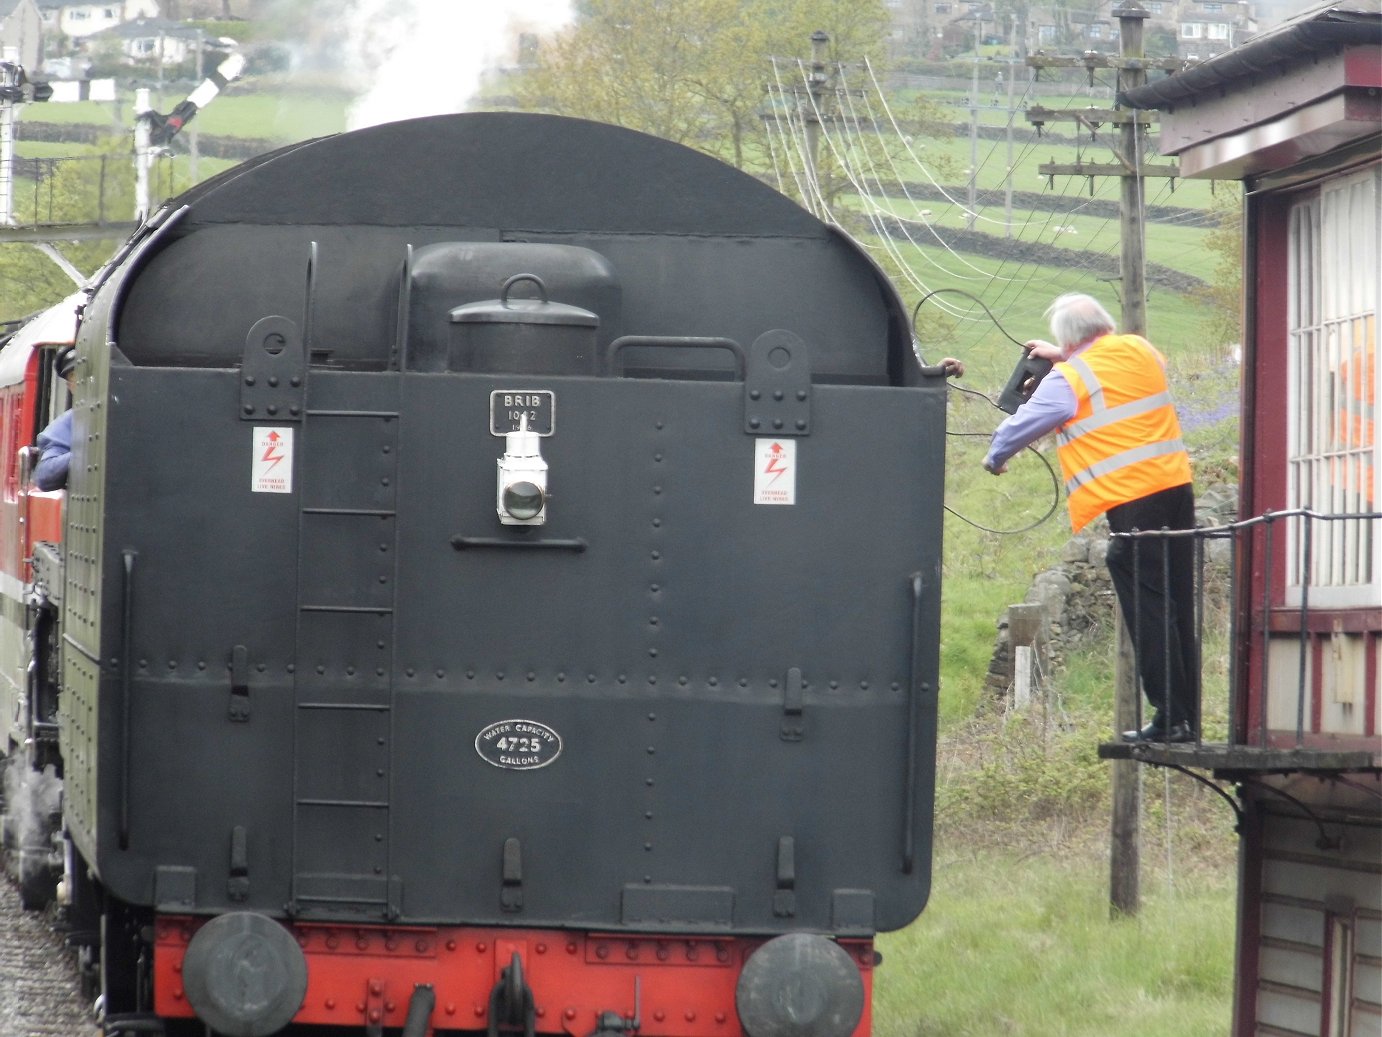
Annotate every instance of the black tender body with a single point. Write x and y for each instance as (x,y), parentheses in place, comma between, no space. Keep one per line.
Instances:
(286,701)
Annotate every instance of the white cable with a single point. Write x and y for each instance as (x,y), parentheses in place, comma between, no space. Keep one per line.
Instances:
(903,221)
(910,153)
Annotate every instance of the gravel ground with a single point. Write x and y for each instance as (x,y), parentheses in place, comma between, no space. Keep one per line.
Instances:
(39,992)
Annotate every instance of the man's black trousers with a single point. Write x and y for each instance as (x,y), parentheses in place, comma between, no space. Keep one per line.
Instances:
(1155,581)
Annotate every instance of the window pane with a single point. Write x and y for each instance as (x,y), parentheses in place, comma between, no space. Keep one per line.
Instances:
(1334,454)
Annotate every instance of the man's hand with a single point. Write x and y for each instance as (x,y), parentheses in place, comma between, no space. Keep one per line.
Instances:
(1039,347)
(993,469)
(953,368)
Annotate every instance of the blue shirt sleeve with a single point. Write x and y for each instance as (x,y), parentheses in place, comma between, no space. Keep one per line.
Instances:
(55,453)
(1051,406)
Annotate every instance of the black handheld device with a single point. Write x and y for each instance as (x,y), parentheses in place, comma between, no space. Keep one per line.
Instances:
(1030,370)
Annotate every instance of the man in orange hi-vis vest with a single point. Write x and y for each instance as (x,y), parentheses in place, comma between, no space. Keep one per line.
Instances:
(1355,429)
(1121,454)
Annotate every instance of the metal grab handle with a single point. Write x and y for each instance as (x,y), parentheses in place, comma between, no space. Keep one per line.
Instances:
(26,464)
(909,785)
(675,342)
(510,282)
(575,544)
(126,696)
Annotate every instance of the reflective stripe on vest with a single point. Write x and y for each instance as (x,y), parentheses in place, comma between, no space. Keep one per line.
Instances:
(1123,443)
(1100,419)
(1117,461)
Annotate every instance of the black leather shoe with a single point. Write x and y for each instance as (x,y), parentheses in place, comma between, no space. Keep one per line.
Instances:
(1158,732)
(1181,732)
(1151,733)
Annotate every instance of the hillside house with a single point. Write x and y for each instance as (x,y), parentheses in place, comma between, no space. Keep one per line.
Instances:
(1196,29)
(1295,115)
(147,41)
(74,21)
(21,32)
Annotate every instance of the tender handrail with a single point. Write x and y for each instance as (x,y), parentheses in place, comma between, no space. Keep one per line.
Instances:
(675,342)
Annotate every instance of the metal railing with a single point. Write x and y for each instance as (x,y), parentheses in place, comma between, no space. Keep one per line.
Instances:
(84,189)
(1258,585)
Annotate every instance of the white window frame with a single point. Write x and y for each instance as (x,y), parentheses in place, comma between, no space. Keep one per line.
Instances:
(1332,261)
(1218,30)
(1191,30)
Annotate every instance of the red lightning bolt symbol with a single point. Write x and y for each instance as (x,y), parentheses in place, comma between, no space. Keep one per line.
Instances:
(270,455)
(775,468)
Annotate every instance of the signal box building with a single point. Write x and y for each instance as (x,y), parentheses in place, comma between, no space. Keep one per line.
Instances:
(1296,116)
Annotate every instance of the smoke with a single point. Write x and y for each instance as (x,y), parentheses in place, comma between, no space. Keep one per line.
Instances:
(31,799)
(427,57)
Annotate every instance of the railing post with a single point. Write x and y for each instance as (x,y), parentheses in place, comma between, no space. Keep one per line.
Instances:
(1197,596)
(1167,604)
(1235,667)
(1304,631)
(1269,565)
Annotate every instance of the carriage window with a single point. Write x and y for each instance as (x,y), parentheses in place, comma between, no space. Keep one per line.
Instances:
(1333,450)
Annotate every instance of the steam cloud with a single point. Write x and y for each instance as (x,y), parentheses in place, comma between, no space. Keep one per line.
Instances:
(426,57)
(30,798)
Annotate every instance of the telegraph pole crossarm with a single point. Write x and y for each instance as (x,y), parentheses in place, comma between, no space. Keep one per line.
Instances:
(1092,59)
(1120,168)
(1037,116)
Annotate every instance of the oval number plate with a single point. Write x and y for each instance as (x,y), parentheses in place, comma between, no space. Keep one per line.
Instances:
(518,745)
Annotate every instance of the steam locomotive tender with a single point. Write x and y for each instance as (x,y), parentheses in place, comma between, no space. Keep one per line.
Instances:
(498,589)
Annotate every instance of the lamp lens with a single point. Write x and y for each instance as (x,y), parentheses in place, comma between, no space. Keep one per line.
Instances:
(523,500)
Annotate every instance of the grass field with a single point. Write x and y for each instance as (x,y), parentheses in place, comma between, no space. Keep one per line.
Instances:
(254,115)
(1023,945)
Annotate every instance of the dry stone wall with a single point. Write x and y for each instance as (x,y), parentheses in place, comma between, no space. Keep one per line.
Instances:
(1076,596)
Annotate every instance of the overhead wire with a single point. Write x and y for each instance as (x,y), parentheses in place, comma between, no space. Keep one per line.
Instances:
(868,162)
(905,221)
(858,180)
(991,276)
(1055,479)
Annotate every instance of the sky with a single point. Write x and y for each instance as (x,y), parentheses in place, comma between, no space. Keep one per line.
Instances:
(426,57)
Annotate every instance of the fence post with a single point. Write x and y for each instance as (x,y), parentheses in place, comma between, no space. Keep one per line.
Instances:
(1025,625)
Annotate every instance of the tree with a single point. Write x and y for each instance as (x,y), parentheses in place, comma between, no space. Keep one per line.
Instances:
(691,71)
(1223,295)
(29,282)
(76,190)
(1161,42)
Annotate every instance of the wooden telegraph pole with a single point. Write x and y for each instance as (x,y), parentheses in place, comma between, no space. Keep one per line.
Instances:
(1131,67)
(814,105)
(816,84)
